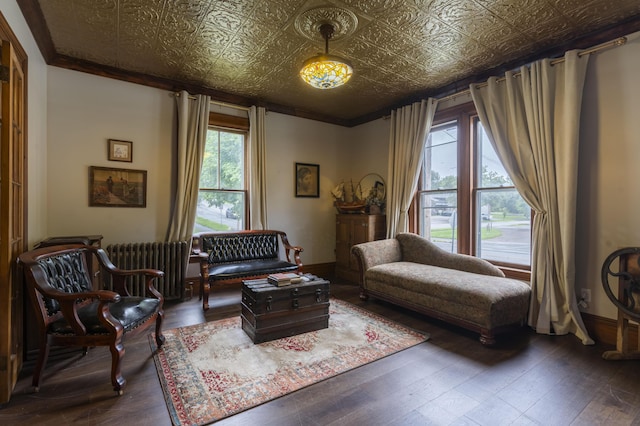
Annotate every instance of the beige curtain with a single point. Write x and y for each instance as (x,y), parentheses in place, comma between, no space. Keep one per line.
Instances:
(533,122)
(410,127)
(193,120)
(257,169)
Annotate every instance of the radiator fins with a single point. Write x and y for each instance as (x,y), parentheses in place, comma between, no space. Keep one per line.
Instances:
(171,258)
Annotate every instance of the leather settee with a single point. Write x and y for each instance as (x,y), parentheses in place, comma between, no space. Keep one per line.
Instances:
(230,257)
(412,272)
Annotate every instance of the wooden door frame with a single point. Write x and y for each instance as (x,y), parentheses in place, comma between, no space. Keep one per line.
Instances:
(14,333)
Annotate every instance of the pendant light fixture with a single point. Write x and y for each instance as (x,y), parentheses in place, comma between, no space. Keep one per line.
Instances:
(326,71)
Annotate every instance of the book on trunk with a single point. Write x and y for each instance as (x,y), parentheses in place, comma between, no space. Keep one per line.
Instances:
(284,278)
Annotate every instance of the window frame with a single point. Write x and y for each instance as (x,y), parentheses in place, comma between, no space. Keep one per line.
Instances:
(237,125)
(466,117)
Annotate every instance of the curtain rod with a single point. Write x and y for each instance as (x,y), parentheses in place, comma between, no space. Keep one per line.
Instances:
(224,104)
(613,43)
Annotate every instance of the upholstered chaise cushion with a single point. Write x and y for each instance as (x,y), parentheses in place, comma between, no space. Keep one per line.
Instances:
(383,251)
(420,250)
(484,300)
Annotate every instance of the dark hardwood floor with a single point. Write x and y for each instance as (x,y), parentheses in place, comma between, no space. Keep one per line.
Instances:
(527,379)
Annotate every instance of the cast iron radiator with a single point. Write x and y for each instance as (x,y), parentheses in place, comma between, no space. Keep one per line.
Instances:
(171,258)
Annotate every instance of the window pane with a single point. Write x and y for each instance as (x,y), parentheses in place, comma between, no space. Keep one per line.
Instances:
(210,163)
(491,172)
(232,160)
(441,158)
(220,211)
(438,219)
(222,199)
(503,227)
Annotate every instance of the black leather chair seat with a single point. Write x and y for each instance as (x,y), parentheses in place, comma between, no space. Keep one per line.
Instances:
(130,311)
(248,268)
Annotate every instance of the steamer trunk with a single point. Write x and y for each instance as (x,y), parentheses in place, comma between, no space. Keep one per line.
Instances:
(270,312)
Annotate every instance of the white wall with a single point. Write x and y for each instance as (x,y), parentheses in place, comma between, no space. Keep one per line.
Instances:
(608,192)
(36,123)
(365,151)
(84,112)
(308,222)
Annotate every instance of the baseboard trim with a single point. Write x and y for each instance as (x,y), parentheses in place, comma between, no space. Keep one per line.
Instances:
(605,330)
(323,270)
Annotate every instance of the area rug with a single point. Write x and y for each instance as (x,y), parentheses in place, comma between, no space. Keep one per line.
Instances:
(213,370)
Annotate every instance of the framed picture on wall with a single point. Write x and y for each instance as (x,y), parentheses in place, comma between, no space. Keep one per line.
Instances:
(110,187)
(307,180)
(120,150)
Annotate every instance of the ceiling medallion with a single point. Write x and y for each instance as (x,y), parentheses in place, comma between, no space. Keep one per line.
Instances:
(326,71)
(308,23)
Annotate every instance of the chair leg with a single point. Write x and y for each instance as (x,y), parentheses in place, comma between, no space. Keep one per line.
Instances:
(159,336)
(206,288)
(42,359)
(117,352)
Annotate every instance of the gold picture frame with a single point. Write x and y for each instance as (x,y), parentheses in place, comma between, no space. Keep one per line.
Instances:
(120,150)
(111,187)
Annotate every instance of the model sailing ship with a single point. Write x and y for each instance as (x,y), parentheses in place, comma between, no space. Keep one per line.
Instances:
(346,199)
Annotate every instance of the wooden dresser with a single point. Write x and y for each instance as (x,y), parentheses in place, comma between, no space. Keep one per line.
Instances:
(355,229)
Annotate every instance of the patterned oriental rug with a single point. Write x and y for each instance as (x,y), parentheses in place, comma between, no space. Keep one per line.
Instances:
(213,370)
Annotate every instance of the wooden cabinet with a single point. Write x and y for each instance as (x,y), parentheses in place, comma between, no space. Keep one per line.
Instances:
(354,229)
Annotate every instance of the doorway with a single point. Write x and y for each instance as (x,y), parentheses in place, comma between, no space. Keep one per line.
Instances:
(13,239)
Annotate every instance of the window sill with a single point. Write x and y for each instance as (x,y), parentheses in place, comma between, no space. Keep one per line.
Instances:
(519,274)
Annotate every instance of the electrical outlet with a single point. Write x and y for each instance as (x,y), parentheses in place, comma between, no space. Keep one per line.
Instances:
(586,295)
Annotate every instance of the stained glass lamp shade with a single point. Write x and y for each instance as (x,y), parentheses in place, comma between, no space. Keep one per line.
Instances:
(326,71)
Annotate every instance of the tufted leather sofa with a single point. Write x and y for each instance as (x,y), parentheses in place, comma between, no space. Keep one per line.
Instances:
(230,257)
(412,272)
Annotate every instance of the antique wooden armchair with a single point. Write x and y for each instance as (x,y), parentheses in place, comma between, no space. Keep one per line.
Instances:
(72,313)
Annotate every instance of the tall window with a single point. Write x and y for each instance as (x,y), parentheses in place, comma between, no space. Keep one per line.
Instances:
(439,184)
(466,202)
(503,218)
(222,201)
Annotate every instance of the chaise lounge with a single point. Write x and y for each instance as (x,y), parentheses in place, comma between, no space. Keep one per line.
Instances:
(467,291)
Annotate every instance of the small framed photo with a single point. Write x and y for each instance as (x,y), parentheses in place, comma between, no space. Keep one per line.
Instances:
(120,150)
(110,187)
(307,180)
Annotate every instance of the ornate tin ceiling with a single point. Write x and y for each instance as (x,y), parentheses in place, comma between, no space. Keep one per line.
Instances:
(250,51)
